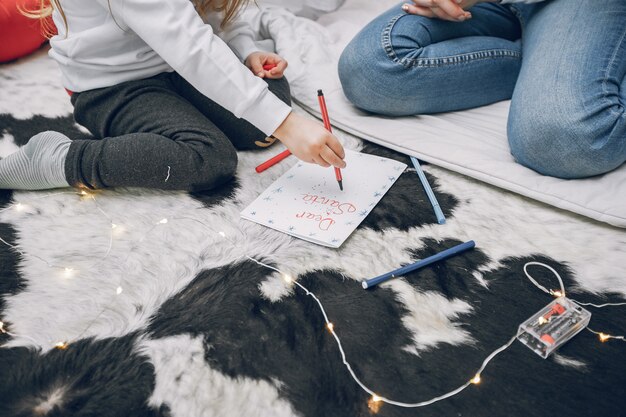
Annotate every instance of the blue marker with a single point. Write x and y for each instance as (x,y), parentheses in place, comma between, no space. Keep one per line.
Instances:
(429,191)
(455,250)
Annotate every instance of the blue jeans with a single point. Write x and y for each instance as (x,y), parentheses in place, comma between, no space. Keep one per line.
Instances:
(568,92)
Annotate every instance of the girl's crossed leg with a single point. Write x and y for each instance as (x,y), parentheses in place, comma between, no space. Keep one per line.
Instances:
(158,133)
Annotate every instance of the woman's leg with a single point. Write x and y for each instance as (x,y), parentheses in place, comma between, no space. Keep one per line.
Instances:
(567,116)
(148,136)
(403,64)
(240,132)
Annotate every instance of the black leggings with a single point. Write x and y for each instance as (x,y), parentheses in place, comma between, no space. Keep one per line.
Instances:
(160,133)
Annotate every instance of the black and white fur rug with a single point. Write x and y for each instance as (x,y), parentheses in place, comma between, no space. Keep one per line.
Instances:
(172,319)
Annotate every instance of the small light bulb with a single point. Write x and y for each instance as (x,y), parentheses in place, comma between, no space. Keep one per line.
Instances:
(557,293)
(83,193)
(604,337)
(330,326)
(164,221)
(61,345)
(19,207)
(68,272)
(374,404)
(287,278)
(542,320)
(222,234)
(119,290)
(476,379)
(117,229)
(2,328)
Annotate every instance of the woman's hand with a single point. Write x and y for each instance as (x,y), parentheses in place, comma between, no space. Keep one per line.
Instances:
(274,65)
(310,142)
(452,10)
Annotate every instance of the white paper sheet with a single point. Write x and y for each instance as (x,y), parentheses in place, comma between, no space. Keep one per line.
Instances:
(306,201)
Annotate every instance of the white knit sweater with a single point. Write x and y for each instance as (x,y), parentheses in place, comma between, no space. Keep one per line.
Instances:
(112,41)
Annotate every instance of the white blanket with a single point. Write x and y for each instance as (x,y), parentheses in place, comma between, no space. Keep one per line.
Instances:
(471,142)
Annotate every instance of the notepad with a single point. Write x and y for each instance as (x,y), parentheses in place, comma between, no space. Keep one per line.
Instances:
(306,201)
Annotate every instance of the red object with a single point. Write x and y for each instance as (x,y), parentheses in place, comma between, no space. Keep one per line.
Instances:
(273,161)
(19,35)
(557,310)
(268,67)
(324,110)
(548,339)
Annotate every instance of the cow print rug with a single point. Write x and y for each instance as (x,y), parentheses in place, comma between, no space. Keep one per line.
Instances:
(163,315)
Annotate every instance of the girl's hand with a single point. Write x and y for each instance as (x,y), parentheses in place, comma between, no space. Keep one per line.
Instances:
(452,10)
(310,142)
(275,64)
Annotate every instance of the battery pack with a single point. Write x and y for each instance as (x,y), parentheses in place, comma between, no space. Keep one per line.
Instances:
(552,326)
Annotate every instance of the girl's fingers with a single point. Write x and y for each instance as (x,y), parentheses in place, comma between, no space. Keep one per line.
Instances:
(319,161)
(331,157)
(274,66)
(335,146)
(256,66)
(281,66)
(278,70)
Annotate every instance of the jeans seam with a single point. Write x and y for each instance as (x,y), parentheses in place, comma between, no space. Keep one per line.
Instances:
(440,61)
(459,59)
(386,39)
(606,75)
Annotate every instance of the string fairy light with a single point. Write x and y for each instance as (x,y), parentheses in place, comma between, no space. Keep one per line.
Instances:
(375,400)
(604,337)
(66,271)
(69,272)
(61,345)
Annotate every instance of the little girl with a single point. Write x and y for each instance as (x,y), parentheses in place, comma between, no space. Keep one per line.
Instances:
(167,100)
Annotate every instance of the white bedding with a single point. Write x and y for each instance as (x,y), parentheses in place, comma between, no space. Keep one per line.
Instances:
(471,142)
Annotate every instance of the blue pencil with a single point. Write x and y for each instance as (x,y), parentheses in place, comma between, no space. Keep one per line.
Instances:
(369,283)
(429,191)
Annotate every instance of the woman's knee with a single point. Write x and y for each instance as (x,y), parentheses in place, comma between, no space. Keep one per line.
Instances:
(379,69)
(355,78)
(369,77)
(555,144)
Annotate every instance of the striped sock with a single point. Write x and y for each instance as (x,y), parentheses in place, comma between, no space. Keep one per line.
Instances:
(38,165)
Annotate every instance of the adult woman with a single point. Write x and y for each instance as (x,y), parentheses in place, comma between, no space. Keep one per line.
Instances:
(563,64)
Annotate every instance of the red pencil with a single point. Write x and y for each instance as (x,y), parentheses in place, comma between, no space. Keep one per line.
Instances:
(273,161)
(324,110)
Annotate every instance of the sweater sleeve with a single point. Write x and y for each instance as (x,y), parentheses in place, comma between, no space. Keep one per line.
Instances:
(175,31)
(242,33)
